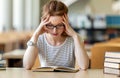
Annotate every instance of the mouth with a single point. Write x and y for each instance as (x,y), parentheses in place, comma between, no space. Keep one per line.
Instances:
(54,34)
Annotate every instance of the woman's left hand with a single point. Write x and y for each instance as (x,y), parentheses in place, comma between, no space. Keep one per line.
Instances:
(69,31)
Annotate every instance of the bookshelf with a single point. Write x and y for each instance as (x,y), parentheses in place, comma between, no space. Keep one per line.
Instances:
(103,28)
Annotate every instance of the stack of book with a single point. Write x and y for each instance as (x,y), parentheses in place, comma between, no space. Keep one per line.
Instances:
(112,63)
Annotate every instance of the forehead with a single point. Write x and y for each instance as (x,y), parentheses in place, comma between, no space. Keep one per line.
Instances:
(55,19)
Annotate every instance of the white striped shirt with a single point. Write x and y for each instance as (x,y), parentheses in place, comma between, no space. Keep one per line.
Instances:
(62,55)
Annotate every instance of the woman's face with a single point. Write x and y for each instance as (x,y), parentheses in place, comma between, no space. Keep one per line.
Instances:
(55,27)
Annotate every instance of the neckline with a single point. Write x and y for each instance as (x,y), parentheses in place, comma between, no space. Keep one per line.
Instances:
(53,45)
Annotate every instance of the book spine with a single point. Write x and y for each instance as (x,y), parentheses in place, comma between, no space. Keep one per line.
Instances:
(113,71)
(113,60)
(112,55)
(112,65)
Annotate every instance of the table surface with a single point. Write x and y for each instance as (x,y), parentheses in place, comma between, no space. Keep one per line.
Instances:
(22,73)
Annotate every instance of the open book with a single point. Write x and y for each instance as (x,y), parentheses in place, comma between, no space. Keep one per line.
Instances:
(55,69)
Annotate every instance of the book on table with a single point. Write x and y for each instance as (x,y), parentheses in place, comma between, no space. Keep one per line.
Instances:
(112,65)
(55,69)
(2,67)
(113,60)
(112,55)
(112,68)
(108,70)
(2,64)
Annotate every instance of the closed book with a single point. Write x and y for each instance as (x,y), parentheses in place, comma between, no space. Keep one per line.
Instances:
(111,71)
(112,65)
(113,60)
(2,61)
(112,54)
(2,68)
(55,69)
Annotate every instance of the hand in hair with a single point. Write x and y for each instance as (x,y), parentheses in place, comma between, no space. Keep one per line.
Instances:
(40,30)
(69,31)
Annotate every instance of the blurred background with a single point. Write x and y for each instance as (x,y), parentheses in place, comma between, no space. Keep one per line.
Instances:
(95,20)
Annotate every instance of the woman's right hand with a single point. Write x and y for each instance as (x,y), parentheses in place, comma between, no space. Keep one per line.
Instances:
(40,29)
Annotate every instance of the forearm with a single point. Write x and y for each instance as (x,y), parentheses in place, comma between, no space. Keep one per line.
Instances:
(30,54)
(29,57)
(80,53)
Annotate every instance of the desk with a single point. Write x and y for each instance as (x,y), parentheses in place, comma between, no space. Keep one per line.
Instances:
(22,73)
(14,58)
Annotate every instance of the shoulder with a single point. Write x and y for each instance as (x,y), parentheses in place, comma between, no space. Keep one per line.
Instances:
(69,40)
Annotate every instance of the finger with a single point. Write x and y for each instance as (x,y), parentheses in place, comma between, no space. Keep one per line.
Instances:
(47,18)
(47,22)
(43,18)
(64,24)
(66,16)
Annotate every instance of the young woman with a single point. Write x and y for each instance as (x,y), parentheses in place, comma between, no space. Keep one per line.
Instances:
(56,43)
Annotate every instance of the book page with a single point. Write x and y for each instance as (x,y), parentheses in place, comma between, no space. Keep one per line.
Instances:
(65,69)
(42,69)
(56,69)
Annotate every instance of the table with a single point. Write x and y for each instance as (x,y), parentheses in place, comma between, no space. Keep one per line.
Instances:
(14,58)
(22,73)
(11,40)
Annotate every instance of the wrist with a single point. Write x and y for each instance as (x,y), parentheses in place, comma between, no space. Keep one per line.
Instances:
(34,38)
(31,43)
(75,36)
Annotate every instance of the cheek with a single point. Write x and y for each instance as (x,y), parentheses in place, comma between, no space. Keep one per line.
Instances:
(62,31)
(46,30)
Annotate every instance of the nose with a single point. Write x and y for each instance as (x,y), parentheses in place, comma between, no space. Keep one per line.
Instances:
(54,29)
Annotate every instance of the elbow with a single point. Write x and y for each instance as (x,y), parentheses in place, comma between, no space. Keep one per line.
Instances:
(85,66)
(27,67)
